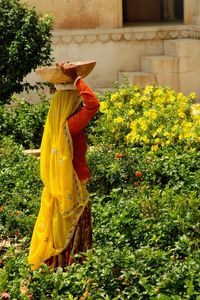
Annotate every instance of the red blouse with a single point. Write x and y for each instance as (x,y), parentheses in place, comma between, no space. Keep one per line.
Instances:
(76,124)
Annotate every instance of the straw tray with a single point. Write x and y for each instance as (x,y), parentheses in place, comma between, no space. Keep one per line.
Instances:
(54,74)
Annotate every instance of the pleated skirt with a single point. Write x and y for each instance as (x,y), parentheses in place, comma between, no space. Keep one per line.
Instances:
(79,244)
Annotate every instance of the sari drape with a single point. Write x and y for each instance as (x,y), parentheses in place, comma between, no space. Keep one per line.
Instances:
(62,201)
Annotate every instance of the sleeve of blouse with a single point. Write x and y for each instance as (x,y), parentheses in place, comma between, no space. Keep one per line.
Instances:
(79,121)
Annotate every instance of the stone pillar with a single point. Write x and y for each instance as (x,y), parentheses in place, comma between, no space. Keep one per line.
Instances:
(79,14)
(187,8)
(195,6)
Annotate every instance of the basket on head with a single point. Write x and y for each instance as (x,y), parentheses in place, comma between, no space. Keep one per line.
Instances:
(54,74)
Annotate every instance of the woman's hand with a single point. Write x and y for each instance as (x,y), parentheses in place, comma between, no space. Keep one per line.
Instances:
(69,70)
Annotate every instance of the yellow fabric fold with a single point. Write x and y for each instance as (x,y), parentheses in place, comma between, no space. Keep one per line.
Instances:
(63,197)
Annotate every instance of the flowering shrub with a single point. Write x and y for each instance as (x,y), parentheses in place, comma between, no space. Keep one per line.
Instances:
(152,117)
(145,204)
(122,166)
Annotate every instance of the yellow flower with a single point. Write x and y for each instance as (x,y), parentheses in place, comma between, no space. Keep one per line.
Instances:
(180,97)
(119,104)
(148,89)
(131,112)
(151,113)
(133,125)
(181,114)
(154,148)
(157,141)
(187,126)
(166,133)
(192,95)
(154,134)
(158,92)
(131,137)
(159,129)
(144,98)
(103,107)
(145,139)
(172,99)
(196,118)
(137,95)
(143,124)
(123,92)
(119,120)
(114,97)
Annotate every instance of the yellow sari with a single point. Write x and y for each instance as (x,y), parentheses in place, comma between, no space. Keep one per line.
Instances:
(63,197)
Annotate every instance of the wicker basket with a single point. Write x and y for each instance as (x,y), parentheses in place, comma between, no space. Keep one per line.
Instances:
(55,75)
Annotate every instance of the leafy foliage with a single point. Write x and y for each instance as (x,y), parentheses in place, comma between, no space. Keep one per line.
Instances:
(25,43)
(173,168)
(24,122)
(20,190)
(145,207)
(150,117)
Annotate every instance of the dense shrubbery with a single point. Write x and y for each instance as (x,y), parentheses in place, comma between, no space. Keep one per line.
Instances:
(24,122)
(173,168)
(20,194)
(25,43)
(152,118)
(145,202)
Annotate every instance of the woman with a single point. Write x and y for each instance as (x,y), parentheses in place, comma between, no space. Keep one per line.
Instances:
(63,227)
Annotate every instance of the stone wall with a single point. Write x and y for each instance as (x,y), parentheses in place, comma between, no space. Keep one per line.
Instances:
(195,6)
(82,14)
(116,50)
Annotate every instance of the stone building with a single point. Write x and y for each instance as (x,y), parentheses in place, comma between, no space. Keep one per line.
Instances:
(148,41)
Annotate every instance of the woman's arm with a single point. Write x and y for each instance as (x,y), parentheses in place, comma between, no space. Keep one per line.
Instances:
(79,120)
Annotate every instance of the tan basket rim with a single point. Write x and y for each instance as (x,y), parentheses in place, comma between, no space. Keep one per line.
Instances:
(55,75)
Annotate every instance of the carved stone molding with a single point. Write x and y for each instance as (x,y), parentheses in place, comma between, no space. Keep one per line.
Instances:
(125,34)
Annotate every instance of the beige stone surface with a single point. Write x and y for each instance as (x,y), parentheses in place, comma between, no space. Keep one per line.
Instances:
(189,82)
(187,11)
(122,50)
(137,78)
(182,47)
(159,64)
(82,14)
(193,64)
(195,10)
(168,80)
(182,64)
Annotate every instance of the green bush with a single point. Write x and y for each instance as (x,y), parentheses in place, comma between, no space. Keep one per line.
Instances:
(117,167)
(25,43)
(145,207)
(150,117)
(146,246)
(20,191)
(24,122)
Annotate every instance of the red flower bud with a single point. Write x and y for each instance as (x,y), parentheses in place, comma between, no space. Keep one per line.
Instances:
(138,174)
(119,155)
(5,295)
